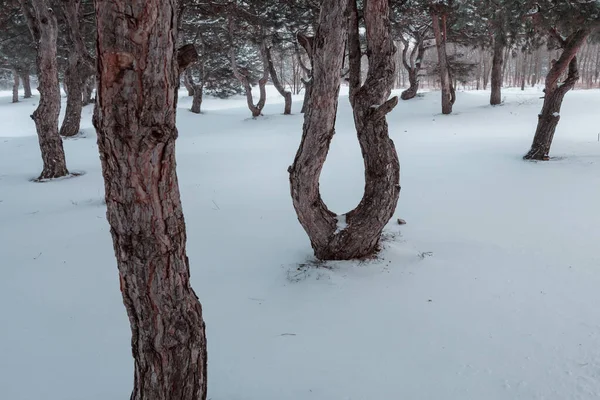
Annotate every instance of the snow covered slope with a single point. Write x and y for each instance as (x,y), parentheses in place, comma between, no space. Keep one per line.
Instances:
(490,292)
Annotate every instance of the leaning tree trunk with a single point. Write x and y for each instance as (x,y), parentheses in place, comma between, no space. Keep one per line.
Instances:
(356,234)
(44,28)
(413,67)
(79,68)
(88,90)
(24,73)
(307,43)
(554,95)
(439,30)
(287,96)
(197,89)
(15,90)
(497,61)
(135,120)
(188,85)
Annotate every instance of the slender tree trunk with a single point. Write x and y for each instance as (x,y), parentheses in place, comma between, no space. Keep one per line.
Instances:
(44,29)
(307,43)
(497,63)
(188,85)
(80,67)
(356,234)
(135,120)
(524,70)
(554,95)
(15,90)
(88,90)
(486,70)
(439,31)
(287,109)
(26,81)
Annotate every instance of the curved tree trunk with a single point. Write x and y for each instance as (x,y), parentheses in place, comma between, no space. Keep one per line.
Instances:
(413,66)
(356,234)
(413,87)
(287,96)
(15,89)
(554,95)
(26,82)
(438,17)
(44,28)
(497,62)
(135,121)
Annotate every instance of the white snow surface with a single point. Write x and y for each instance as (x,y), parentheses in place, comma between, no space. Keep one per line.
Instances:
(490,292)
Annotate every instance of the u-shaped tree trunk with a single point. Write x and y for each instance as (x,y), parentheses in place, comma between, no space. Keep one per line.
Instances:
(356,234)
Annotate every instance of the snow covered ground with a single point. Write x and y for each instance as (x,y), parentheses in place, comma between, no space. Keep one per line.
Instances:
(489,292)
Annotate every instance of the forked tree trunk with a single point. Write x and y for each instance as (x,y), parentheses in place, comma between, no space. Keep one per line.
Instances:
(356,234)
(287,96)
(554,95)
(497,62)
(439,30)
(412,66)
(79,68)
(255,109)
(26,81)
(135,121)
(44,28)
(15,89)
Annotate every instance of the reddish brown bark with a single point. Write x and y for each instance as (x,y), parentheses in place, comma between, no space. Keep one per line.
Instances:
(438,16)
(44,29)
(287,95)
(356,234)
(555,92)
(135,121)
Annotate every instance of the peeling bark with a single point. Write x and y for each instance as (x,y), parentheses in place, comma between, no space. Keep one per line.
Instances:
(555,93)
(135,121)
(44,29)
(356,234)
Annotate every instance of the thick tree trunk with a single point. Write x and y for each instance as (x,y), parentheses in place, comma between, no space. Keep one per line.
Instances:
(26,82)
(497,63)
(44,28)
(356,234)
(287,96)
(15,89)
(554,95)
(439,30)
(135,121)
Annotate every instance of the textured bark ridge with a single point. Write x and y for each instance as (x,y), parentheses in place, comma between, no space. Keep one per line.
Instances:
(497,62)
(555,92)
(44,29)
(438,16)
(135,121)
(80,67)
(357,233)
(287,96)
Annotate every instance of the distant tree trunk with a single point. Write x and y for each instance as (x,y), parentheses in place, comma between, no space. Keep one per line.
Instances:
(255,109)
(24,73)
(524,70)
(15,90)
(486,70)
(413,66)
(188,86)
(135,121)
(88,90)
(197,89)
(555,93)
(438,15)
(287,96)
(79,68)
(497,63)
(44,29)
(356,234)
